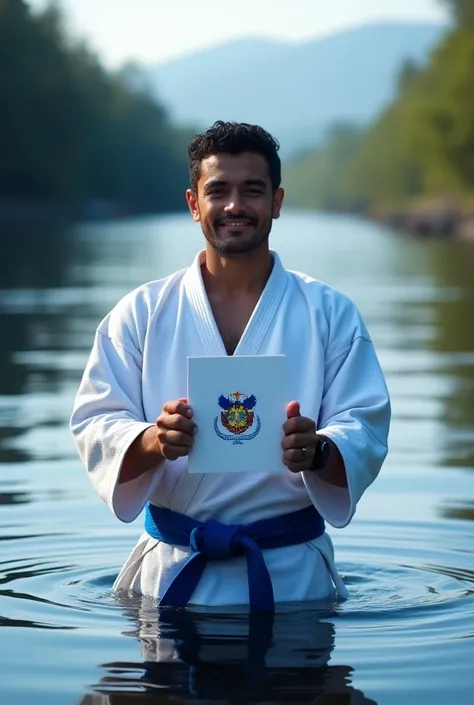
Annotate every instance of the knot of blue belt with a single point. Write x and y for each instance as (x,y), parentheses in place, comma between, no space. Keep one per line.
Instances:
(212,540)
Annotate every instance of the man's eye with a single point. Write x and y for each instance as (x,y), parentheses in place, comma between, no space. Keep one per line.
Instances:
(255,191)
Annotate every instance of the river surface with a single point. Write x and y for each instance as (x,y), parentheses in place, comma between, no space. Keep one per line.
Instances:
(406,634)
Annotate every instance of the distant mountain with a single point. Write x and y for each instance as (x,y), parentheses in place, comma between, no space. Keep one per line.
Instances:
(295,90)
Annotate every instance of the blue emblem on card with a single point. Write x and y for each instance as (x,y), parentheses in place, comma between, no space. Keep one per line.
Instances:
(237,417)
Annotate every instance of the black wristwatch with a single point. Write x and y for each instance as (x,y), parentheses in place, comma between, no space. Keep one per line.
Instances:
(321,455)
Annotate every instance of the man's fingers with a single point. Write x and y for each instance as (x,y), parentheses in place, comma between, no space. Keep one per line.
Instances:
(180,423)
(294,462)
(180,407)
(176,422)
(298,424)
(298,441)
(171,452)
(294,456)
(176,429)
(178,438)
(293,410)
(295,468)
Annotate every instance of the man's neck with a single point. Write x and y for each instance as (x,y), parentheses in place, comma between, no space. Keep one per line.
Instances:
(247,274)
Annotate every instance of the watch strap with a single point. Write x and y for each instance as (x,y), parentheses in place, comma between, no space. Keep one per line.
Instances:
(321,455)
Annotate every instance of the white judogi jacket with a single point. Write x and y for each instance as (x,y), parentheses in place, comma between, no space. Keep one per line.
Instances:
(139,361)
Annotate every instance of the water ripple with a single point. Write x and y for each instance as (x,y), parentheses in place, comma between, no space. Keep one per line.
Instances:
(405,596)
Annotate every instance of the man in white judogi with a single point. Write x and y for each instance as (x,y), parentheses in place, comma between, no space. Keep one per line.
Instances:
(133,426)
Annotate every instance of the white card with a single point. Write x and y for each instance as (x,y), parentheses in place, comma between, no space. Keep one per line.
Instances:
(239,405)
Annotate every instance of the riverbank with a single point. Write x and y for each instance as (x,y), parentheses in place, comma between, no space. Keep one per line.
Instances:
(430,218)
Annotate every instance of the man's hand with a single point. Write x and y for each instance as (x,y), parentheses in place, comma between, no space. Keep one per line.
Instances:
(171,437)
(300,433)
(299,442)
(175,429)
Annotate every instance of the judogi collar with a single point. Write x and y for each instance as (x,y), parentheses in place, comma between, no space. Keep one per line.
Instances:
(260,321)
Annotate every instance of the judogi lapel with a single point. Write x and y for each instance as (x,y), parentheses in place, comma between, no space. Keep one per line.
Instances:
(259,323)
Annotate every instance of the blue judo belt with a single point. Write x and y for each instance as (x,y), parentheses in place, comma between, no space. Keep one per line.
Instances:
(213,541)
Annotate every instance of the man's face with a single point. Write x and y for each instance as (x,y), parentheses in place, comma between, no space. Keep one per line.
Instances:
(235,203)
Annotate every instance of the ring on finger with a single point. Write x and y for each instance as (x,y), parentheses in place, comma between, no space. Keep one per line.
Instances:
(303,453)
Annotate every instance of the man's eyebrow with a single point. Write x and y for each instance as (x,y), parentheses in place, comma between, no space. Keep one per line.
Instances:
(219,183)
(256,182)
(216,183)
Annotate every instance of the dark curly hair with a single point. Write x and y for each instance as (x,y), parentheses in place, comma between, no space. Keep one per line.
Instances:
(234,138)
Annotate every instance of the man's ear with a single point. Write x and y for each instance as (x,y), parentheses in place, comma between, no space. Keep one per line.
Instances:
(278,202)
(192,201)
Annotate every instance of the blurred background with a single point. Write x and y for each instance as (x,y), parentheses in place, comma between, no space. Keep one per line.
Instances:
(373,104)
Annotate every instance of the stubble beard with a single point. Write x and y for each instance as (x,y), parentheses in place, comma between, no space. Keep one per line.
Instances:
(237,247)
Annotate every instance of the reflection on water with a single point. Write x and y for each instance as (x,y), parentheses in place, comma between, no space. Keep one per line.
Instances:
(407,558)
(465,512)
(216,657)
(454,341)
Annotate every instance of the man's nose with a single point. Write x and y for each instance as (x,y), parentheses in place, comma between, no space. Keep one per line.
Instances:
(233,206)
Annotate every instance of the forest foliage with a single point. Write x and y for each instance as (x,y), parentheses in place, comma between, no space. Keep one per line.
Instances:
(421,146)
(73,132)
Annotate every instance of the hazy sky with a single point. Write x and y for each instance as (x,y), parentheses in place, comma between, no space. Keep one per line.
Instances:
(156,30)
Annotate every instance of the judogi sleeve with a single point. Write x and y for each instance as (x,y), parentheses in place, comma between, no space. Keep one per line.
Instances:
(108,416)
(354,414)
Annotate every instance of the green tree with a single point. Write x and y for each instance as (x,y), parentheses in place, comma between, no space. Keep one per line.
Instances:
(462,11)
(386,169)
(442,119)
(421,145)
(317,180)
(72,131)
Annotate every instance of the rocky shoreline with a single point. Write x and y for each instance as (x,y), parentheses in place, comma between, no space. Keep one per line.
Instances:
(433,220)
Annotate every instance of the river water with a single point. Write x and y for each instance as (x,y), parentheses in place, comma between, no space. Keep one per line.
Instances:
(407,632)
